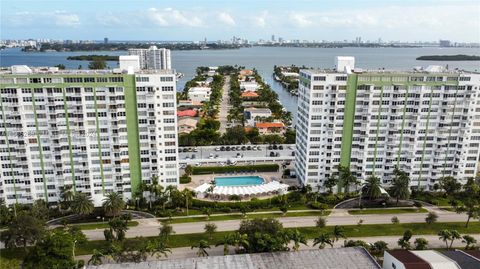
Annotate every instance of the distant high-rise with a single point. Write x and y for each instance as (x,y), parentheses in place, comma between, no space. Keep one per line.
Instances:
(105,40)
(273,38)
(153,58)
(445,43)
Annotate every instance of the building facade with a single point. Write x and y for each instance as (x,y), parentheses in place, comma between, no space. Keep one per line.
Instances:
(98,131)
(153,57)
(426,122)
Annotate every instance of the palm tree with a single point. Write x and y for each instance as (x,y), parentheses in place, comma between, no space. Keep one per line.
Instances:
(113,204)
(379,247)
(372,188)
(330,182)
(202,246)
(449,235)
(158,247)
(210,229)
(404,241)
(238,240)
(338,232)
(226,242)
(298,238)
(346,178)
(421,243)
(322,240)
(82,204)
(165,231)
(96,259)
(188,195)
(469,241)
(67,195)
(400,185)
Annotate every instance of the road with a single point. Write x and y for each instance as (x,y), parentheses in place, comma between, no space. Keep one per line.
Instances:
(224,106)
(149,227)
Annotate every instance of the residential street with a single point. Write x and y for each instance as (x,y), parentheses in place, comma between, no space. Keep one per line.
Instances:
(224,106)
(149,227)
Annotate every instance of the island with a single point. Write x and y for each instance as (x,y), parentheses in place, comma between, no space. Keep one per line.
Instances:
(458,57)
(93,58)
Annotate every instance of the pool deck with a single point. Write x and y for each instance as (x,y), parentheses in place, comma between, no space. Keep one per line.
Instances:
(198,180)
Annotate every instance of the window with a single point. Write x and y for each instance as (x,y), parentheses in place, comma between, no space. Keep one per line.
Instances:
(142,79)
(319,78)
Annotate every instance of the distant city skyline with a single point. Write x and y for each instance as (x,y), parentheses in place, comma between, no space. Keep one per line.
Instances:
(407,20)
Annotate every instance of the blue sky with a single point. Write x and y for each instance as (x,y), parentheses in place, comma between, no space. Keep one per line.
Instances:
(406,20)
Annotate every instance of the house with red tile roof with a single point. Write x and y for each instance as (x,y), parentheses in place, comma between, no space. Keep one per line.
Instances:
(270,127)
(187,113)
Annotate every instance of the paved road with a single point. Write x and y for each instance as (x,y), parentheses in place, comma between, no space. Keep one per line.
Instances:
(149,227)
(434,242)
(224,105)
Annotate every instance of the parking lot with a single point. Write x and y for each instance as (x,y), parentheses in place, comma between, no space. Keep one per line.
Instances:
(248,154)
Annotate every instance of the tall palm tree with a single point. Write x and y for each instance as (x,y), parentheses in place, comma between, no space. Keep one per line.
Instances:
(82,204)
(372,188)
(338,232)
(202,246)
(188,195)
(445,236)
(97,258)
(239,240)
(158,247)
(346,178)
(166,230)
(113,204)
(400,185)
(322,240)
(298,238)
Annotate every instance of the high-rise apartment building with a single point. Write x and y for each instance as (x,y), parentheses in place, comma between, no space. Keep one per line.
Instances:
(153,58)
(426,122)
(99,131)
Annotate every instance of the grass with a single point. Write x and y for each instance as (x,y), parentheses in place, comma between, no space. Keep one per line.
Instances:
(186,240)
(250,216)
(102,225)
(387,211)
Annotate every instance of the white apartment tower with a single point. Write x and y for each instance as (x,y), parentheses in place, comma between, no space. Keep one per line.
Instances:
(98,131)
(426,122)
(153,58)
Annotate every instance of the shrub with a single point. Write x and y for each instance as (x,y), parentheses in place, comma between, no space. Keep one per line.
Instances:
(317,205)
(417,204)
(242,168)
(185,179)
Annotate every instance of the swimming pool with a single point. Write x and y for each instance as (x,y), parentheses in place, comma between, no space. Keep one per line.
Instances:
(238,181)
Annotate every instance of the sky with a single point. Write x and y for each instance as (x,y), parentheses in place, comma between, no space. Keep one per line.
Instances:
(332,20)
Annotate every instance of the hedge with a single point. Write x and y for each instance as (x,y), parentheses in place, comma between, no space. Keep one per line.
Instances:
(241,168)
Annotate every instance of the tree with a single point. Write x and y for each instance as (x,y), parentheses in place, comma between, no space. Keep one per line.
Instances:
(60,66)
(187,195)
(189,170)
(82,204)
(322,240)
(117,228)
(470,201)
(24,230)
(431,218)
(330,183)
(346,178)
(264,235)
(450,185)
(395,220)
(67,195)
(356,243)
(166,230)
(97,258)
(449,235)
(338,232)
(5,214)
(202,246)
(97,64)
(210,229)
(400,185)
(321,222)
(297,238)
(284,209)
(421,243)
(469,241)
(40,210)
(404,241)
(54,251)
(372,188)
(379,247)
(207,211)
(113,204)
(156,247)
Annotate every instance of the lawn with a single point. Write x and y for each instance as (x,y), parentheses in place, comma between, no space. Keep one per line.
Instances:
(265,215)
(186,240)
(102,225)
(387,211)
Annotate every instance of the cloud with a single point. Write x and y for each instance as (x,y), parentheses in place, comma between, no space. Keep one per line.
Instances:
(226,19)
(63,18)
(300,20)
(58,18)
(261,20)
(173,17)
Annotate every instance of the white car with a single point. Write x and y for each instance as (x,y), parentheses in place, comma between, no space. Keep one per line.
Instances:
(217,149)
(197,164)
(221,163)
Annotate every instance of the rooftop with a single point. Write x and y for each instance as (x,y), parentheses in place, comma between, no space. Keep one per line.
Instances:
(464,260)
(258,110)
(409,259)
(269,125)
(26,70)
(186,113)
(417,71)
(249,94)
(348,258)
(435,259)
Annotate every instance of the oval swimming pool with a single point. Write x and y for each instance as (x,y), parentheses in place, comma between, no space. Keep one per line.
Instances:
(238,181)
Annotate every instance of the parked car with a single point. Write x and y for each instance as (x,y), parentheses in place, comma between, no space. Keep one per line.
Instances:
(280,147)
(277,154)
(216,156)
(194,156)
(259,148)
(183,166)
(275,147)
(272,154)
(195,150)
(197,164)
(293,153)
(249,147)
(227,148)
(270,147)
(217,149)
(187,157)
(222,148)
(290,147)
(238,148)
(244,148)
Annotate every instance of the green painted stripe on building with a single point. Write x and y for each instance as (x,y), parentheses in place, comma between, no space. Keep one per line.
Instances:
(402,128)
(69,137)
(377,131)
(450,133)
(425,138)
(132,133)
(37,130)
(9,152)
(348,121)
(102,175)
